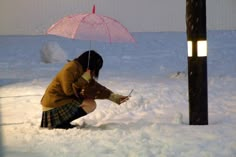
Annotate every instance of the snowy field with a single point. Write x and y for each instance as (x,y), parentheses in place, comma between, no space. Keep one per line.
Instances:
(153,123)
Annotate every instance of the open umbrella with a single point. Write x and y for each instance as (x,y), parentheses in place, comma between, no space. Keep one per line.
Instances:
(91,26)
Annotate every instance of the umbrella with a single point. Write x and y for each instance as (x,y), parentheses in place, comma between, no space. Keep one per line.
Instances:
(91,26)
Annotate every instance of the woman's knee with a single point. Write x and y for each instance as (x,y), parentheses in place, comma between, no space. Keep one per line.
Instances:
(89,105)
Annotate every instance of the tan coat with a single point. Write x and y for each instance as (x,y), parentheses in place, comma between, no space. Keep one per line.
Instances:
(63,88)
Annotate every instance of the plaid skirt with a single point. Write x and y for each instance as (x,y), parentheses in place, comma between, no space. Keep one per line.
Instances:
(60,115)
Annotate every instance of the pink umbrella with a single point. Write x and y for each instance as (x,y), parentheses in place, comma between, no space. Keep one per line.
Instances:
(91,27)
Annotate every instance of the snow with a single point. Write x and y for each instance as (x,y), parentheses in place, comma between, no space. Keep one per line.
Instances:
(51,52)
(154,122)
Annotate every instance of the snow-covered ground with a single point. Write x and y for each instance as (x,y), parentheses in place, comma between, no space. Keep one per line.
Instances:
(154,122)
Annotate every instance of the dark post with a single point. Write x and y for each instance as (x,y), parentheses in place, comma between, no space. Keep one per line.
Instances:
(197,61)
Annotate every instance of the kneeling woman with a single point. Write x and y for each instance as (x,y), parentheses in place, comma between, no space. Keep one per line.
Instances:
(72,92)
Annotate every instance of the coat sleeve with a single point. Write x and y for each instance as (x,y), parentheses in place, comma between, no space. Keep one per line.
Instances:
(96,91)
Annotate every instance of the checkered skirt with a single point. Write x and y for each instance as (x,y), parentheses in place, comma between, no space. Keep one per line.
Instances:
(63,114)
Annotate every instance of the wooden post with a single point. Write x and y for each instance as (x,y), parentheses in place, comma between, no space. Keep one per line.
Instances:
(197,61)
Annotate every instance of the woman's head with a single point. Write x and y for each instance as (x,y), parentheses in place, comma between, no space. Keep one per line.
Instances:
(95,61)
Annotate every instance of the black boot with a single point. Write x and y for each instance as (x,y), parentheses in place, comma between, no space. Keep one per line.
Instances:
(65,126)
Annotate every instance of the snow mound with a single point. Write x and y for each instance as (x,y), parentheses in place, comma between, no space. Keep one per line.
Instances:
(51,52)
(178,118)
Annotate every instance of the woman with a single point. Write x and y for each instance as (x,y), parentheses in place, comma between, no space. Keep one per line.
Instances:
(72,92)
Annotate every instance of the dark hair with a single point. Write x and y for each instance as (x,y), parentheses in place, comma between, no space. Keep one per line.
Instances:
(95,61)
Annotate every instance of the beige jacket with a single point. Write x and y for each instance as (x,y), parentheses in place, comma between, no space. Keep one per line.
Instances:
(68,83)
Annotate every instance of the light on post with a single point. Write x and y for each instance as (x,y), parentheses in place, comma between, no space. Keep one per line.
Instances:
(190,48)
(201,48)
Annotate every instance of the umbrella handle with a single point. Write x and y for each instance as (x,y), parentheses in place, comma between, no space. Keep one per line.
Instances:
(89,54)
(88,60)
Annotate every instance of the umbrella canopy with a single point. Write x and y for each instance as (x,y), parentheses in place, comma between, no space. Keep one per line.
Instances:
(91,26)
